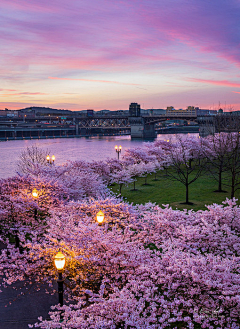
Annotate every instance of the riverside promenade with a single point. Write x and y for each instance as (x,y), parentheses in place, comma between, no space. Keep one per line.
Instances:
(17,311)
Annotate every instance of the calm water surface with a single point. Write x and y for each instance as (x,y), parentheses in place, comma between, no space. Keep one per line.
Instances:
(88,149)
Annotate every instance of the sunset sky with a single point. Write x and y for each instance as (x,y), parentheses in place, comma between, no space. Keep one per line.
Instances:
(105,54)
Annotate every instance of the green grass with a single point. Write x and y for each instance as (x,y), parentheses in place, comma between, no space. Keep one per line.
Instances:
(166,191)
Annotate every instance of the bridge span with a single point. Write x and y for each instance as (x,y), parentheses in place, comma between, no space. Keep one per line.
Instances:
(139,126)
(143,126)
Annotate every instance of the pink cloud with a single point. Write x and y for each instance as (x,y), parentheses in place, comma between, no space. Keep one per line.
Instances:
(116,31)
(101,81)
(207,27)
(22,93)
(92,38)
(119,35)
(224,83)
(8,90)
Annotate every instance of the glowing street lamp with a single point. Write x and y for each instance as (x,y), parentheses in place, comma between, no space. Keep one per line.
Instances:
(100,217)
(35,195)
(118,150)
(59,261)
(50,160)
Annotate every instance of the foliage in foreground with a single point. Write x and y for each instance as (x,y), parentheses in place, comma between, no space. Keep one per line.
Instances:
(146,267)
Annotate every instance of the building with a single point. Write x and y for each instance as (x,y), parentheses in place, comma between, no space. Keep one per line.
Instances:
(153,112)
(8,113)
(190,111)
(134,110)
(201,112)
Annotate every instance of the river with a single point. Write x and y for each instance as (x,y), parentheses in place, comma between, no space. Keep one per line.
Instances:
(88,149)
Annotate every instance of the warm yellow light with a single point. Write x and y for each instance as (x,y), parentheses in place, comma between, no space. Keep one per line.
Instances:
(120,147)
(53,157)
(116,147)
(48,157)
(59,261)
(100,217)
(35,193)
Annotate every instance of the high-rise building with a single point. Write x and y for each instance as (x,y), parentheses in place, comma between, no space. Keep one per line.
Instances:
(134,110)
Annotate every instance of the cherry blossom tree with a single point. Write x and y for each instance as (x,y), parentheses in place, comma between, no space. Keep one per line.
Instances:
(135,171)
(184,163)
(146,266)
(233,162)
(215,149)
(137,155)
(148,168)
(122,177)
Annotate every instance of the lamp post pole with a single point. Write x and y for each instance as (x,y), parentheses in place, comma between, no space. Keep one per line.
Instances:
(35,196)
(60,288)
(59,261)
(118,150)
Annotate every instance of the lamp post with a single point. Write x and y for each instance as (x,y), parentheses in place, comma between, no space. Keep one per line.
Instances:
(50,160)
(59,261)
(35,195)
(118,150)
(100,217)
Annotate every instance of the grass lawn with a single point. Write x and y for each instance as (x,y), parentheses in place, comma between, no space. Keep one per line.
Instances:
(166,191)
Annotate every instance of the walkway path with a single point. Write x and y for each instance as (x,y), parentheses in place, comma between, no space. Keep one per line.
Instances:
(16,312)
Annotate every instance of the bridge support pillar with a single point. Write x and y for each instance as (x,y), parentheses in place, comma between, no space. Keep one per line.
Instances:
(149,130)
(206,126)
(139,129)
(77,129)
(204,131)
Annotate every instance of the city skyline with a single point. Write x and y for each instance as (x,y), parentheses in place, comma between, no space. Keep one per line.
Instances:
(106,54)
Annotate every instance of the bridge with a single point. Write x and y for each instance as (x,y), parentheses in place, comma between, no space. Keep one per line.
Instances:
(144,126)
(138,126)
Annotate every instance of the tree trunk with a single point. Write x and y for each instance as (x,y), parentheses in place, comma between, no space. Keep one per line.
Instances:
(134,185)
(120,188)
(190,163)
(220,180)
(187,193)
(232,186)
(17,244)
(17,241)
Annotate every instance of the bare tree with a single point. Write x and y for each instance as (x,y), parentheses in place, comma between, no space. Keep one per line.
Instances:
(30,157)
